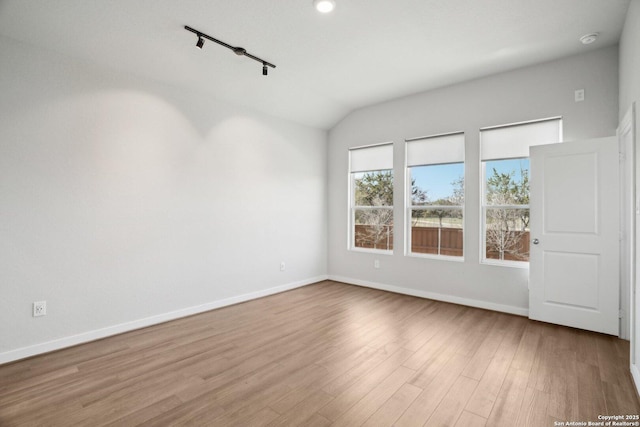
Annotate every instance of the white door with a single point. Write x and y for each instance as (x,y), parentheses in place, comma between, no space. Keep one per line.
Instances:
(627,221)
(627,136)
(574,257)
(627,227)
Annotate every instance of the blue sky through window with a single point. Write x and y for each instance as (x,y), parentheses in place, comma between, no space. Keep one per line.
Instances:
(507,166)
(437,180)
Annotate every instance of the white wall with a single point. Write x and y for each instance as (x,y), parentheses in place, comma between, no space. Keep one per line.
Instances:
(630,58)
(530,93)
(124,202)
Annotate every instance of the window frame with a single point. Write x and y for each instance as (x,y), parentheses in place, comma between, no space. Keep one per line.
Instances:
(483,189)
(352,207)
(409,207)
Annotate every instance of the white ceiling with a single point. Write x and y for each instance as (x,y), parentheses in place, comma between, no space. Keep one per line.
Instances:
(366,51)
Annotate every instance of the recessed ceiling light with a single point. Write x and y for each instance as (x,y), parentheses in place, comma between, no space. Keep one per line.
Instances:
(324,6)
(589,38)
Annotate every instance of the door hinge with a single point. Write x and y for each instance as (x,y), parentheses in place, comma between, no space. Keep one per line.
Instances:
(620,314)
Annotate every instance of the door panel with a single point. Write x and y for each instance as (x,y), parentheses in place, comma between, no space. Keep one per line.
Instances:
(574,268)
(571,214)
(571,279)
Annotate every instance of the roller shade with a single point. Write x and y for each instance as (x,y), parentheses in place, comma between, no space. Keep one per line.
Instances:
(512,141)
(436,150)
(371,158)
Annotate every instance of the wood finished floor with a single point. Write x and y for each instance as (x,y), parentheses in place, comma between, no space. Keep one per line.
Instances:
(328,354)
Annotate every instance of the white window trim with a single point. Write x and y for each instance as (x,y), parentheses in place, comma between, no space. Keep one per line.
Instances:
(508,263)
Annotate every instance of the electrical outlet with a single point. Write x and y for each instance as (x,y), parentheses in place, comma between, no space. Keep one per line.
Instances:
(376,263)
(39,308)
(282,266)
(579,95)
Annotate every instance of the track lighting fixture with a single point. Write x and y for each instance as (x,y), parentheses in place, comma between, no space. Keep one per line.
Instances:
(240,51)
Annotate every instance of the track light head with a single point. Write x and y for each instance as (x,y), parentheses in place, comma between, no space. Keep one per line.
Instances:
(240,51)
(200,42)
(265,70)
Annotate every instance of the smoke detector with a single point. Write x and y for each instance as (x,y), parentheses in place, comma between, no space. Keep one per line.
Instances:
(589,38)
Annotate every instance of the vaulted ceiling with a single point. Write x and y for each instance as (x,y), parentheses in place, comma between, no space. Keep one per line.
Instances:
(365,52)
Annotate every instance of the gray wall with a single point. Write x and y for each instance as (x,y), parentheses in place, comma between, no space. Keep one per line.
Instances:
(535,92)
(630,58)
(125,203)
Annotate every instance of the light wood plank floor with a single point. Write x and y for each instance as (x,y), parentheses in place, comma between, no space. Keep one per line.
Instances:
(327,354)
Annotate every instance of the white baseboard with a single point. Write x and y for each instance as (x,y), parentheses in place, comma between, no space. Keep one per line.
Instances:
(85,337)
(435,296)
(635,373)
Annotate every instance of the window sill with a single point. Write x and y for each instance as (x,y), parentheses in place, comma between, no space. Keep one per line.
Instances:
(372,251)
(435,257)
(511,264)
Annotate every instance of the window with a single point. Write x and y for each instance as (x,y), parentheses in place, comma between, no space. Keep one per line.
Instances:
(506,213)
(505,187)
(371,197)
(435,195)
